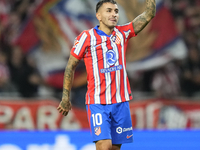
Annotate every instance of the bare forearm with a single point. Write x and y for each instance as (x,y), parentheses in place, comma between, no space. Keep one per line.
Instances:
(67,83)
(150,9)
(68,77)
(65,105)
(142,20)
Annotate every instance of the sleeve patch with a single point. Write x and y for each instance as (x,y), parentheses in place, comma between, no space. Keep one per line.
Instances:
(127,33)
(76,42)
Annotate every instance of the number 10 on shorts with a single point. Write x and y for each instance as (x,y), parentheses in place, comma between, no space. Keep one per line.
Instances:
(97,119)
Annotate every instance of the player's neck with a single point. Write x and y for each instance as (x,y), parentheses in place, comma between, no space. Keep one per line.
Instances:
(106,29)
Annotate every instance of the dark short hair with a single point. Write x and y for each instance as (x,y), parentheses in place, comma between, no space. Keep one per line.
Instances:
(101,2)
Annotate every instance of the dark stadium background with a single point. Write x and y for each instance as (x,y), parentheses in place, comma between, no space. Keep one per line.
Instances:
(163,65)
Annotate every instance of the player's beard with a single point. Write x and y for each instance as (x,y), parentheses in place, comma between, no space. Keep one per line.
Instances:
(110,26)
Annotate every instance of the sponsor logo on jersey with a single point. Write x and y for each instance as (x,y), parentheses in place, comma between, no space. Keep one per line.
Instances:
(127,129)
(119,130)
(95,46)
(111,58)
(111,69)
(129,136)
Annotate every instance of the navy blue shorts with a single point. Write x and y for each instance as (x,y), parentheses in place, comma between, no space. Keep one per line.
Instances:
(110,122)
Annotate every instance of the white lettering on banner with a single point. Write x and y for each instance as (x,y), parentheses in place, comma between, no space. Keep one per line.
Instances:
(195,118)
(39,147)
(23,119)
(172,118)
(146,114)
(9,147)
(150,113)
(89,147)
(62,142)
(139,114)
(69,123)
(6,114)
(43,117)
(47,116)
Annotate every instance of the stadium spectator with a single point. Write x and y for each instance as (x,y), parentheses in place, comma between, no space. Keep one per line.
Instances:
(165,82)
(14,15)
(24,75)
(4,72)
(191,72)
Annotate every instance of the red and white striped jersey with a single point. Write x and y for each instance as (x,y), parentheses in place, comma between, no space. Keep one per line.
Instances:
(104,57)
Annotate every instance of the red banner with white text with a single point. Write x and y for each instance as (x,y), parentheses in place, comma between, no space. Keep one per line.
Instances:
(39,114)
(146,114)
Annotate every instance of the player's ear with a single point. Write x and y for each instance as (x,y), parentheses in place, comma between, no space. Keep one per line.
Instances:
(98,16)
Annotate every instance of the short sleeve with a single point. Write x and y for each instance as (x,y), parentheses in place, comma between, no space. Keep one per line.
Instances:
(128,30)
(80,45)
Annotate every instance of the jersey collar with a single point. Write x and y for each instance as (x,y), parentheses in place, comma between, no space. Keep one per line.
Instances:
(100,32)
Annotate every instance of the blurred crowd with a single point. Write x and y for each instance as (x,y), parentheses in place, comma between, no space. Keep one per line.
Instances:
(19,75)
(178,78)
(187,17)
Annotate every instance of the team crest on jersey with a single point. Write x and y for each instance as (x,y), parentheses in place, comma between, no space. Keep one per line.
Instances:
(75,43)
(97,130)
(116,39)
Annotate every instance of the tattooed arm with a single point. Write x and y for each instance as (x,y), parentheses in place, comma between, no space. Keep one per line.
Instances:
(142,20)
(65,104)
